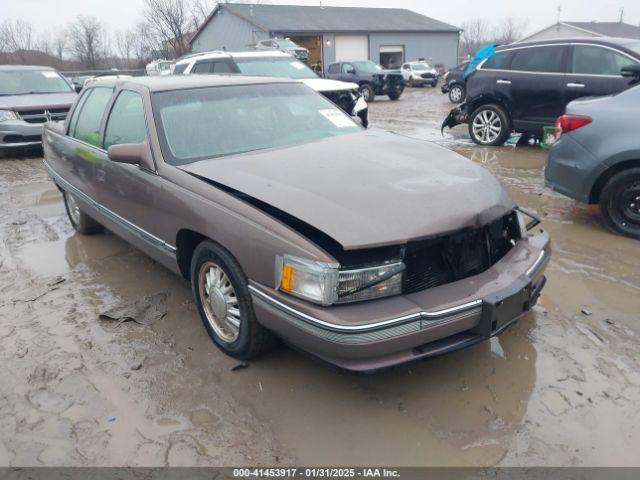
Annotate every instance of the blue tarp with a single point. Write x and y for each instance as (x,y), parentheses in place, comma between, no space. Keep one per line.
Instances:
(485,52)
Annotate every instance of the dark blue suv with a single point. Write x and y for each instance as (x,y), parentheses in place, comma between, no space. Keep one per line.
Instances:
(526,86)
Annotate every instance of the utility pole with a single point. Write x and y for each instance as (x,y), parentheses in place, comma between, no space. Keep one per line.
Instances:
(621,15)
(559,10)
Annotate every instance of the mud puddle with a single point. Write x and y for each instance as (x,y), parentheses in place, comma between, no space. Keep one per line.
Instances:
(558,388)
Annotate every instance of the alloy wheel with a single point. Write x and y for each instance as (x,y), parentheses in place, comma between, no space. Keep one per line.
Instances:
(220,302)
(456,94)
(487,126)
(73,208)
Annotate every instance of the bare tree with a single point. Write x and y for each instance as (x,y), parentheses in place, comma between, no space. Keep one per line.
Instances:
(510,29)
(59,44)
(475,33)
(169,22)
(16,36)
(88,41)
(143,44)
(125,45)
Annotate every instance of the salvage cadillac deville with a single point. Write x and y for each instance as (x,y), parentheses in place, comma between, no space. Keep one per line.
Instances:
(290,220)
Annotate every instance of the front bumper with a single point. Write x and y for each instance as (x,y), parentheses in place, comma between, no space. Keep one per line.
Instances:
(18,133)
(377,334)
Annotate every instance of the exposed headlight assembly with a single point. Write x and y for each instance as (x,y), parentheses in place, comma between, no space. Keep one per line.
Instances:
(325,284)
(6,115)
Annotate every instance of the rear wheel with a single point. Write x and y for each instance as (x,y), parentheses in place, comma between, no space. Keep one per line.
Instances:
(620,203)
(489,125)
(80,221)
(221,292)
(456,94)
(367,93)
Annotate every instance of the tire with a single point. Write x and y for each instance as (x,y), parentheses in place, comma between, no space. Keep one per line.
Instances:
(456,94)
(620,203)
(239,334)
(396,93)
(367,93)
(80,221)
(489,125)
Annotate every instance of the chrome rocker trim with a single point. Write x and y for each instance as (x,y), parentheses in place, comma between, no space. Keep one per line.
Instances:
(123,222)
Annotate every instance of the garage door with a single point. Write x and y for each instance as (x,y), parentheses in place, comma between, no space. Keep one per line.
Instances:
(352,47)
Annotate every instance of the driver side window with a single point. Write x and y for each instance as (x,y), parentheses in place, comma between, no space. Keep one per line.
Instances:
(347,68)
(126,122)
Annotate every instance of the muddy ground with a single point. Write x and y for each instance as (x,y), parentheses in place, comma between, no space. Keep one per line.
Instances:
(561,387)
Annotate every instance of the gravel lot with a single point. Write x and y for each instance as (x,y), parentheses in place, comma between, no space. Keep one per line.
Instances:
(560,387)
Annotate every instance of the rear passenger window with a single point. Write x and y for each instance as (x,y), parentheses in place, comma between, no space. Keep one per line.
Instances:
(224,66)
(126,122)
(179,69)
(500,61)
(334,68)
(539,59)
(202,67)
(87,127)
(593,60)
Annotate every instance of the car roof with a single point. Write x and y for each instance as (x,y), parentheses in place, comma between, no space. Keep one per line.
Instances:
(595,40)
(181,82)
(24,67)
(224,54)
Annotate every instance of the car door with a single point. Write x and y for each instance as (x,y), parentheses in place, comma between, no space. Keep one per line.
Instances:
(81,153)
(128,191)
(538,86)
(348,73)
(594,70)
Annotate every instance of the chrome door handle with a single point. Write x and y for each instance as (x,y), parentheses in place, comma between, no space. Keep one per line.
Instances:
(504,82)
(575,85)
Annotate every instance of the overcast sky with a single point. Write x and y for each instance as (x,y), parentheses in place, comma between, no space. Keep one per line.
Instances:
(50,14)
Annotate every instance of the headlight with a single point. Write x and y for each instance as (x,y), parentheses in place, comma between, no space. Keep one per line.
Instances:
(325,284)
(8,115)
(360,105)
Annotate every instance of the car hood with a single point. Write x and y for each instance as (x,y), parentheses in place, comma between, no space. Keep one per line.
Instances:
(368,189)
(327,85)
(38,101)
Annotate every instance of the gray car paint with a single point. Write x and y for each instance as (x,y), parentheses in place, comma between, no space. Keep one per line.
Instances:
(580,159)
(155,206)
(19,103)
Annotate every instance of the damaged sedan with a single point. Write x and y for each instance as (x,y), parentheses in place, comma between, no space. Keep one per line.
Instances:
(361,247)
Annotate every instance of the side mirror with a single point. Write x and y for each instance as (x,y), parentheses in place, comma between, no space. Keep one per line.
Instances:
(77,88)
(632,70)
(131,153)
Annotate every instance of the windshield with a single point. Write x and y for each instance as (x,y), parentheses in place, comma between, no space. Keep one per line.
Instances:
(367,67)
(197,124)
(24,82)
(420,67)
(274,67)
(633,46)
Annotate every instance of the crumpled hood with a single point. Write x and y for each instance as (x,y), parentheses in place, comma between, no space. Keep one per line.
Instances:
(327,85)
(38,101)
(368,189)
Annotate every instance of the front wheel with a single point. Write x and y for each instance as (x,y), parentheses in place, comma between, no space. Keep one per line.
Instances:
(456,94)
(221,292)
(367,93)
(80,221)
(396,92)
(620,203)
(489,125)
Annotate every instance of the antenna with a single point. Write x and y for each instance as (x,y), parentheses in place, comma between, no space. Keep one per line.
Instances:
(622,15)
(559,11)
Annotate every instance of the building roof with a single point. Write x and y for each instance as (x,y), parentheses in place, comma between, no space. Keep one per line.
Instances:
(598,29)
(608,29)
(298,18)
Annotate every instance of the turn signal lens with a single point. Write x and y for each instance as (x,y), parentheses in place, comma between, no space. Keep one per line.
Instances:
(567,123)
